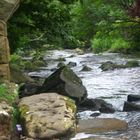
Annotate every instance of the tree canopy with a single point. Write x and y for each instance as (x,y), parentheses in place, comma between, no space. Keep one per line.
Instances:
(101,25)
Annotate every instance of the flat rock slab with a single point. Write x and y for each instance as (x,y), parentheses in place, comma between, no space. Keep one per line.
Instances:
(7,7)
(101,125)
(47,115)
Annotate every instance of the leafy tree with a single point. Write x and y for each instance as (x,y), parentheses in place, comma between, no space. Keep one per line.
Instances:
(40,22)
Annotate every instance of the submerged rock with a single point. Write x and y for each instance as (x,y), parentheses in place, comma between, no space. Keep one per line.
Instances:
(131,64)
(64,81)
(86,68)
(72,64)
(96,104)
(130,106)
(110,66)
(132,97)
(97,125)
(47,115)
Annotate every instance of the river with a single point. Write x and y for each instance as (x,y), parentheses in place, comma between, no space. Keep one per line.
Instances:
(112,86)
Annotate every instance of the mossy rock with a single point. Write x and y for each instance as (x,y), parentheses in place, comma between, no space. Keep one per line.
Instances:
(64,81)
(39,63)
(18,76)
(71,104)
(131,64)
(23,110)
(61,59)
(28,65)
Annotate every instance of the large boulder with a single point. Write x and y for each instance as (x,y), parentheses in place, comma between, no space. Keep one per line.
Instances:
(7,8)
(64,81)
(5,121)
(47,115)
(101,125)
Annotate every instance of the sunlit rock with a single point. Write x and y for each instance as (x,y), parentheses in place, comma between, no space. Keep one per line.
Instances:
(47,115)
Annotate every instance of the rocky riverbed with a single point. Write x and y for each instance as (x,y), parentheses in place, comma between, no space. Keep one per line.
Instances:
(113,86)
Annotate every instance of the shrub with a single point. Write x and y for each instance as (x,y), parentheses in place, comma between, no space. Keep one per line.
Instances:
(101,44)
(120,45)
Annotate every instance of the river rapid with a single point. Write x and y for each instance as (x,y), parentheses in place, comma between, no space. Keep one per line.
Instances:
(112,86)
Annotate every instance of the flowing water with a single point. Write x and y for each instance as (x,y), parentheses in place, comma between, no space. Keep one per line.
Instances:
(112,86)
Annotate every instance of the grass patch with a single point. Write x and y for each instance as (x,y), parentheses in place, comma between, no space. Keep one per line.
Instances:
(8,92)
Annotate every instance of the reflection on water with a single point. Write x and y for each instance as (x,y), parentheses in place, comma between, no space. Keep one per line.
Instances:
(112,86)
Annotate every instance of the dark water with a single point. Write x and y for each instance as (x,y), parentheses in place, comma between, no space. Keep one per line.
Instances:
(112,86)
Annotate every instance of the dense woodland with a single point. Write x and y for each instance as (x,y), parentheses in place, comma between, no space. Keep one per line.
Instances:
(101,25)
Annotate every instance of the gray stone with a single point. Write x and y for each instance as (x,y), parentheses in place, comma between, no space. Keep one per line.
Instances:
(108,66)
(86,68)
(96,104)
(64,81)
(47,115)
(132,97)
(72,64)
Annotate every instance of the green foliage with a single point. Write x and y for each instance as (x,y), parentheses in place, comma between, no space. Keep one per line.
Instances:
(106,25)
(101,43)
(8,93)
(100,24)
(40,22)
(34,63)
(120,45)
(113,42)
